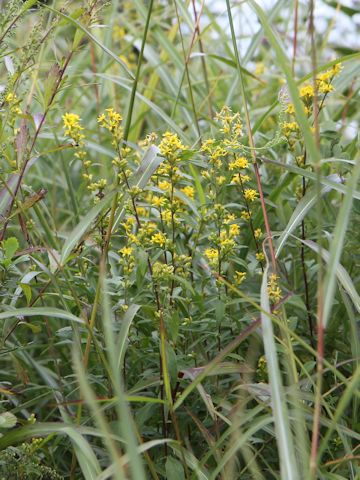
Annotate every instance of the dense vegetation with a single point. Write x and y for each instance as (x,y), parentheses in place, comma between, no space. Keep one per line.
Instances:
(179,241)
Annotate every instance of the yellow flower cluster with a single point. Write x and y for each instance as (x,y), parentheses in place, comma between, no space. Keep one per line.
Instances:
(288,128)
(273,289)
(324,79)
(262,369)
(240,179)
(162,272)
(239,277)
(111,120)
(306,92)
(171,146)
(239,163)
(250,194)
(212,255)
(126,251)
(127,260)
(12,100)
(73,129)
(230,122)
(159,239)
(260,257)
(189,191)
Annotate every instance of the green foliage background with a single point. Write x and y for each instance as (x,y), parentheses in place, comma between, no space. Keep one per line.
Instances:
(167,312)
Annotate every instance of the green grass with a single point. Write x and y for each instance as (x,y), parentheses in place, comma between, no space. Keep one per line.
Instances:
(179,285)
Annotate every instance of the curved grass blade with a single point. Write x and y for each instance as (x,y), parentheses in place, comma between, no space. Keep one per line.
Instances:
(338,240)
(341,273)
(41,311)
(284,65)
(78,232)
(123,334)
(305,204)
(284,437)
(147,167)
(334,185)
(87,460)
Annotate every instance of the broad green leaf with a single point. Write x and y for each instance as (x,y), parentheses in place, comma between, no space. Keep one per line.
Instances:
(174,469)
(7,420)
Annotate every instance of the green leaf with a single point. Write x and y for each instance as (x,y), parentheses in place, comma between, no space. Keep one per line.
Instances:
(27,291)
(41,312)
(10,246)
(147,167)
(284,437)
(274,40)
(79,231)
(302,208)
(174,469)
(121,344)
(341,273)
(88,462)
(7,420)
(337,242)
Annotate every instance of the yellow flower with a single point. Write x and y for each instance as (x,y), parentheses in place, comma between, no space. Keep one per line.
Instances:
(259,68)
(324,77)
(212,254)
(207,145)
(273,289)
(10,97)
(250,194)
(245,215)
(234,230)
(159,239)
(307,92)
(239,179)
(325,87)
(260,257)
(227,243)
(239,163)
(165,186)
(118,32)
(258,233)
(111,120)
(337,68)
(220,180)
(290,108)
(230,217)
(239,277)
(126,251)
(188,191)
(170,145)
(158,202)
(72,127)
(142,211)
